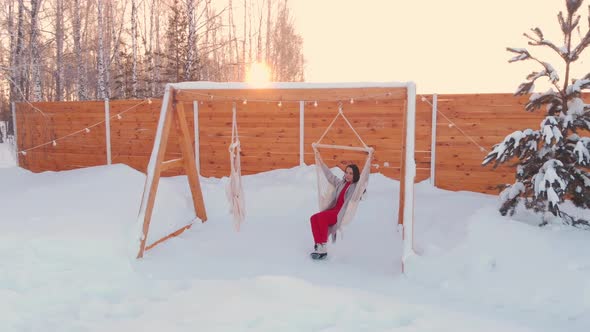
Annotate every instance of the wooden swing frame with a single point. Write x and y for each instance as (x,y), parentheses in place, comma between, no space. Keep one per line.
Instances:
(172,111)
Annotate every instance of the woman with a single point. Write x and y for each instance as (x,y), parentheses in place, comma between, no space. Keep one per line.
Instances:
(327,222)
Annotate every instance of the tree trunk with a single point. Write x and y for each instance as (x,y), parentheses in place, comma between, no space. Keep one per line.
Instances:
(102,89)
(59,52)
(134,47)
(157,55)
(81,67)
(35,52)
(267,49)
(190,56)
(120,91)
(243,60)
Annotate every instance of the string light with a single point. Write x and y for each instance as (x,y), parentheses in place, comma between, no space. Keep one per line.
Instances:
(149,101)
(244,100)
(87,130)
(452,124)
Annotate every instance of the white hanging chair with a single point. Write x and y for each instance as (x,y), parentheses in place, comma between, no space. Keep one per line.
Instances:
(326,187)
(234,190)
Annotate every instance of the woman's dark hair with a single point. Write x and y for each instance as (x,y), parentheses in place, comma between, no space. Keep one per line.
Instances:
(356,174)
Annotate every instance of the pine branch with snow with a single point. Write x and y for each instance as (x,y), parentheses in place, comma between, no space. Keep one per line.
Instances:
(553,161)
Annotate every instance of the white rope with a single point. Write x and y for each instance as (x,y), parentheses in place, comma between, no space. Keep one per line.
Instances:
(234,130)
(340,113)
(234,190)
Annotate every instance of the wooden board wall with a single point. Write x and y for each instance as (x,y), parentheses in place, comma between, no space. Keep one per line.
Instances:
(270,134)
(486,119)
(44,122)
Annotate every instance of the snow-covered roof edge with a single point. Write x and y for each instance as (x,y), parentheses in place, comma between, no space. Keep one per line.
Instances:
(206,85)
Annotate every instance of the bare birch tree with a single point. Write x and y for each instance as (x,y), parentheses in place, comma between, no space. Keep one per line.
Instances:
(59,50)
(134,48)
(116,53)
(35,51)
(267,48)
(102,89)
(190,49)
(81,67)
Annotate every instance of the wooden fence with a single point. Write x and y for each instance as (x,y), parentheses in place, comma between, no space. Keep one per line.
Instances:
(466,126)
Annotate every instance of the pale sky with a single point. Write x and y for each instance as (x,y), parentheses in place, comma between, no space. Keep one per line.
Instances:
(450,46)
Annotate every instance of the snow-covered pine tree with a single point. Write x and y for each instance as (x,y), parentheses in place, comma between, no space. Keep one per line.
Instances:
(553,161)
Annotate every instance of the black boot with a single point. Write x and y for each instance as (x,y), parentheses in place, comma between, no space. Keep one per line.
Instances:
(321,251)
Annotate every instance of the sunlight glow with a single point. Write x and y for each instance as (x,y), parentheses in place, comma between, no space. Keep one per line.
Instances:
(258,73)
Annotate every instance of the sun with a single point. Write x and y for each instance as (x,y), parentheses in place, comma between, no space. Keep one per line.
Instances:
(258,73)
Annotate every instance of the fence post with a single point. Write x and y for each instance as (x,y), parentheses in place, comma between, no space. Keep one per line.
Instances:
(14,132)
(107,118)
(433,141)
(197,144)
(301,132)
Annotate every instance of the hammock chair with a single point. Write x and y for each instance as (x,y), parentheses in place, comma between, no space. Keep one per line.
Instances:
(326,189)
(233,189)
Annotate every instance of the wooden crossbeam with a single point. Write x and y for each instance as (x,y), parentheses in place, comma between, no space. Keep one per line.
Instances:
(174,163)
(174,112)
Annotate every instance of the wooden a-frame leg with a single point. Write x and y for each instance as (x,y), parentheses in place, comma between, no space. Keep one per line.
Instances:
(190,165)
(153,179)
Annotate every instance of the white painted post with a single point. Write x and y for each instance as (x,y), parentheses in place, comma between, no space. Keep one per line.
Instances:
(408,208)
(433,141)
(196,125)
(13,108)
(301,132)
(107,119)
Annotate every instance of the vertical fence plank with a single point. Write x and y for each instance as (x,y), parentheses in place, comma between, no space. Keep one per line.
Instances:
(107,119)
(301,133)
(433,141)
(15,133)
(197,140)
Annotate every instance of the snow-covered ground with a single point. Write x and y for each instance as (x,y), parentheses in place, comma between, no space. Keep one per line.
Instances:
(65,262)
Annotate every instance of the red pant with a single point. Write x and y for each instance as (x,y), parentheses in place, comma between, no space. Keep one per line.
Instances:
(320,223)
